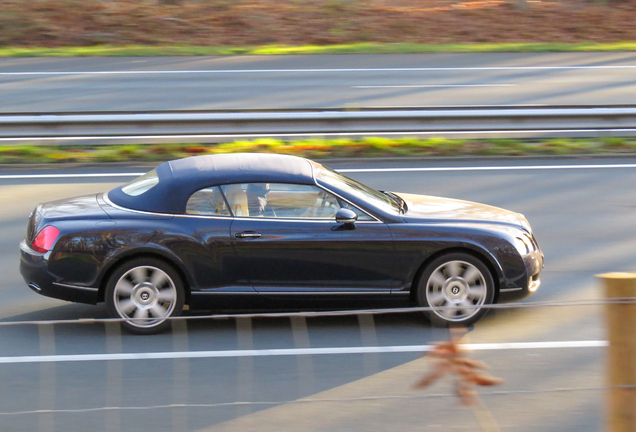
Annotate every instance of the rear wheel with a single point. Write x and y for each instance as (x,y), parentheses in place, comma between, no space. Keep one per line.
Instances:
(144,292)
(456,287)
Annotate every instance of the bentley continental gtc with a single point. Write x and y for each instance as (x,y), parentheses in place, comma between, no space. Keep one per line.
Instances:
(214,228)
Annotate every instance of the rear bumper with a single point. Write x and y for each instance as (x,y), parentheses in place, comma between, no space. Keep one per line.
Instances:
(34,270)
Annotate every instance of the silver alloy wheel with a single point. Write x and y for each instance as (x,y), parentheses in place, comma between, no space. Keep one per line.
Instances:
(456,290)
(146,295)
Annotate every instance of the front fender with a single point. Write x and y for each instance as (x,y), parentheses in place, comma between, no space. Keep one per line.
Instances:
(418,244)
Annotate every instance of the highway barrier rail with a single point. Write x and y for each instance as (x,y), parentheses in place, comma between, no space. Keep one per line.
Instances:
(188,126)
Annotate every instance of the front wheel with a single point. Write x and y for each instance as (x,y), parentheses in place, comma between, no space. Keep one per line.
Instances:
(456,287)
(144,292)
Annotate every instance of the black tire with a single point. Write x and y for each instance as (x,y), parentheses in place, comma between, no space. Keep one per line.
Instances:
(456,286)
(144,292)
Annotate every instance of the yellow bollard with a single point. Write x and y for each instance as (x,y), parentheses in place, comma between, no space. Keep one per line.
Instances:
(621,354)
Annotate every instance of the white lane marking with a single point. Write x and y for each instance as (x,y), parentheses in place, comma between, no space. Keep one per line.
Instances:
(311,134)
(42,176)
(326,70)
(489,168)
(458,106)
(351,170)
(536,345)
(432,86)
(293,352)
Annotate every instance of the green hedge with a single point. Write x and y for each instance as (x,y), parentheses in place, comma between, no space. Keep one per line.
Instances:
(319,148)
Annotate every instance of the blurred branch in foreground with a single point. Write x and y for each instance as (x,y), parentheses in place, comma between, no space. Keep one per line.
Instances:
(450,359)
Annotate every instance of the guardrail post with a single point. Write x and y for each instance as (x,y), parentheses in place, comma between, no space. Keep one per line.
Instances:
(621,354)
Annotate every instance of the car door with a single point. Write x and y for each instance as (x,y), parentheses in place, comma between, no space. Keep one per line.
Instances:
(287,238)
(211,256)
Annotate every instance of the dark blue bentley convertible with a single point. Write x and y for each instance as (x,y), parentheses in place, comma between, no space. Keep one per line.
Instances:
(207,228)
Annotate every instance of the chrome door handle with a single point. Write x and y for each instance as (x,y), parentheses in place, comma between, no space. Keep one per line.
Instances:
(247,234)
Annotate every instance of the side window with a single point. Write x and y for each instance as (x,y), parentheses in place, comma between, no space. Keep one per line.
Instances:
(141,184)
(284,201)
(208,202)
(362,216)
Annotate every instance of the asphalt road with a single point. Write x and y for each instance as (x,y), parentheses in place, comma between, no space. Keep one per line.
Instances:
(35,85)
(583,220)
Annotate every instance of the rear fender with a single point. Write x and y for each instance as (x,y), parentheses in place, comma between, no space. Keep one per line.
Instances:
(155,252)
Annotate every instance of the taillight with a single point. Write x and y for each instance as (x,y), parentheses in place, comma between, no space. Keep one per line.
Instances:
(44,240)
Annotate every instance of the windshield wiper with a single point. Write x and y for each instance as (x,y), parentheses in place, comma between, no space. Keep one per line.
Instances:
(398,200)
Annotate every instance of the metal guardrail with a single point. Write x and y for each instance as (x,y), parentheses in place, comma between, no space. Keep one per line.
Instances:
(221,126)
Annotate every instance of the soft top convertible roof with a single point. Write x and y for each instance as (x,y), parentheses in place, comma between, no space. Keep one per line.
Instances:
(178,179)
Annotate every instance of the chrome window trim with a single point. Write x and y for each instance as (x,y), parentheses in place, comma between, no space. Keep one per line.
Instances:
(328,221)
(202,216)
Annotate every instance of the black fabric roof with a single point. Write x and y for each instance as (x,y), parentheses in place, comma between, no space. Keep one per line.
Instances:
(178,179)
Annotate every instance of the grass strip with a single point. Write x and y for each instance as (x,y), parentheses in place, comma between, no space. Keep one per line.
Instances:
(357,48)
(319,149)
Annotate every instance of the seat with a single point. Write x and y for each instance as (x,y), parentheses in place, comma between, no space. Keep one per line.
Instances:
(237,199)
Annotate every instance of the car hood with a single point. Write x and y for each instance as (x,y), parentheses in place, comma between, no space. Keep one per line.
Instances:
(423,207)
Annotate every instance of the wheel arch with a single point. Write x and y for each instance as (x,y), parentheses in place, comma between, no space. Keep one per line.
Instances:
(487,259)
(144,254)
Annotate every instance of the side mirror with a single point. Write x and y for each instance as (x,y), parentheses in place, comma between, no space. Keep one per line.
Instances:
(346,216)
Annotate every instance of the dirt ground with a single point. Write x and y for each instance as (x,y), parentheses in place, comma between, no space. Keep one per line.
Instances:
(56,23)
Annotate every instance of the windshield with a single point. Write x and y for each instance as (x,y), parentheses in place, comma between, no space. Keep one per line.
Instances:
(357,189)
